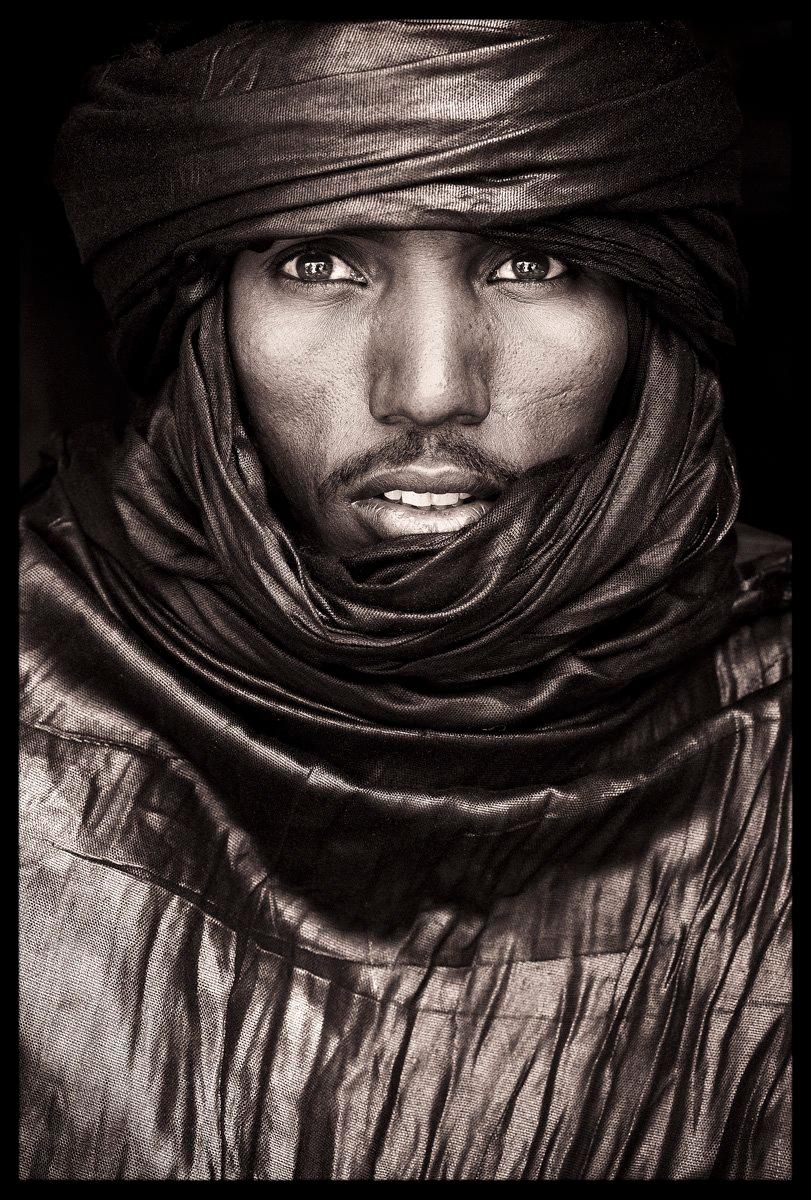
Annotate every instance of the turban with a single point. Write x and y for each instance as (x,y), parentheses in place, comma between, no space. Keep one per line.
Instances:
(615,139)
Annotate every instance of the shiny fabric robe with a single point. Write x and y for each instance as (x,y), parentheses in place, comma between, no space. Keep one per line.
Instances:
(613,1005)
(467,859)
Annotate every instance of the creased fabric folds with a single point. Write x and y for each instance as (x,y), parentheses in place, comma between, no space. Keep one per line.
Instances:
(464,857)
(172,160)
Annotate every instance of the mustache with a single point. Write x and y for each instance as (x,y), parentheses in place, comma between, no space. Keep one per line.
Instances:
(408,448)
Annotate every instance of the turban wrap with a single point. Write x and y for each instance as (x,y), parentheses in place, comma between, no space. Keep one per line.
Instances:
(437,724)
(617,138)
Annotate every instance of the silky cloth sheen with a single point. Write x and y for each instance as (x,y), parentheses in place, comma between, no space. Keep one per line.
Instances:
(265,940)
(568,590)
(616,140)
(464,857)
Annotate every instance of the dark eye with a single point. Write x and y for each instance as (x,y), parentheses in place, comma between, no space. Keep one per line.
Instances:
(318,266)
(530,268)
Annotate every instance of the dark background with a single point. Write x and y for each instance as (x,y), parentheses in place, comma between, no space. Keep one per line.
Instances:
(65,374)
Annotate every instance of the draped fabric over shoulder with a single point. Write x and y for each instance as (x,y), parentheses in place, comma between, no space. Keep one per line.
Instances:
(464,856)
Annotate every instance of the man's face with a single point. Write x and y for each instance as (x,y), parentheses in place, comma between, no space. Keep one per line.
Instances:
(397,382)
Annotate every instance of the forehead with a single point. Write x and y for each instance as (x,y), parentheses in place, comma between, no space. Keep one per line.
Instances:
(436,240)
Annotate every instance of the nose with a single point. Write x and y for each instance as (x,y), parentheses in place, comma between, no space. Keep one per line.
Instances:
(428,356)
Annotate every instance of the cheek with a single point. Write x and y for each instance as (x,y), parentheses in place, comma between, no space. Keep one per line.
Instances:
(558,367)
(287,365)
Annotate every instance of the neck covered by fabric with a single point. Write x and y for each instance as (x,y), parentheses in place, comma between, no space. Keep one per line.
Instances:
(587,578)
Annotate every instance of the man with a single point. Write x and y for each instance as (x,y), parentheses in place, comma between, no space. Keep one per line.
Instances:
(405,735)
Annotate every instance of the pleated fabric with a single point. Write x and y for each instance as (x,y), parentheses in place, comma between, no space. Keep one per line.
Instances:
(465,857)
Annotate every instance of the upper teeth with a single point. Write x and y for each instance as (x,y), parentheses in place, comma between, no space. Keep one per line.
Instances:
(425,499)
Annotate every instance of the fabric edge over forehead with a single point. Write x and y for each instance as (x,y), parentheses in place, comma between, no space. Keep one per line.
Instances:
(286,128)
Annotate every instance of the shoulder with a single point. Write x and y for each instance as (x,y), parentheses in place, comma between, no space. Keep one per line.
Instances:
(80,705)
(757,545)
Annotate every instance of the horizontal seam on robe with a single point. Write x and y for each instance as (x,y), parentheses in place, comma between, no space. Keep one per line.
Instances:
(188,896)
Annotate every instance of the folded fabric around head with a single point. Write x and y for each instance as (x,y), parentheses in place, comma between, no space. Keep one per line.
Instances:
(613,139)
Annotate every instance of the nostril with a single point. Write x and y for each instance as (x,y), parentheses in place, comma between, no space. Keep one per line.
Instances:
(427,413)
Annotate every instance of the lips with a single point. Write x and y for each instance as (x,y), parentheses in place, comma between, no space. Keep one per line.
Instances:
(422,499)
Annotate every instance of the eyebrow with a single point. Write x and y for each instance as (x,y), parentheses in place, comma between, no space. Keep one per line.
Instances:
(374,235)
(378,236)
(261,245)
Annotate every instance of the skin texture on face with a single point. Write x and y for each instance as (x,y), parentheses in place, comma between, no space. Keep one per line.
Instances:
(427,362)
